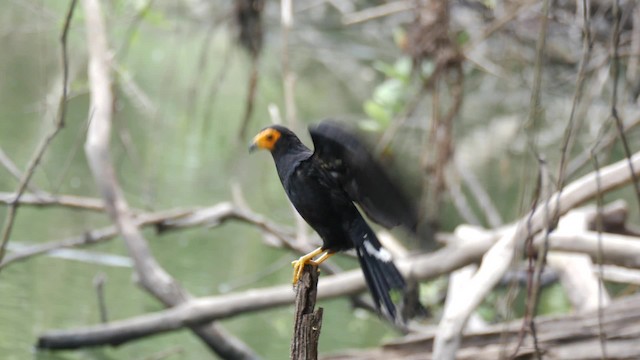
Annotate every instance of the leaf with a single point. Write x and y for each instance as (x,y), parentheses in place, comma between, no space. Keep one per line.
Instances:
(377,112)
(389,93)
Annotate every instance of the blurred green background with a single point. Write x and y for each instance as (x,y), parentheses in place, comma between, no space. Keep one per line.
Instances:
(181,83)
(176,158)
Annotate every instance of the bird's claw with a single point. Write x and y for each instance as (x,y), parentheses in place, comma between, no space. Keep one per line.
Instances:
(298,267)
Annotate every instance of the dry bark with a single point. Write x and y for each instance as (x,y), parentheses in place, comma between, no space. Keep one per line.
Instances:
(307,321)
(574,336)
(617,248)
(151,275)
(496,261)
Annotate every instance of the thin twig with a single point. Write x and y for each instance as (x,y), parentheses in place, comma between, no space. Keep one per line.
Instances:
(532,120)
(173,219)
(216,84)
(375,12)
(615,70)
(288,76)
(92,237)
(587,46)
(460,200)
(497,260)
(607,141)
(421,267)
(600,206)
(123,51)
(62,108)
(601,334)
(252,89)
(77,142)
(150,274)
(44,144)
(480,195)
(98,281)
(134,92)
(498,24)
(201,68)
(11,167)
(46,199)
(527,320)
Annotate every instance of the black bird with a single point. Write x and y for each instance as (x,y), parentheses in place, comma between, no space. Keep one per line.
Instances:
(323,186)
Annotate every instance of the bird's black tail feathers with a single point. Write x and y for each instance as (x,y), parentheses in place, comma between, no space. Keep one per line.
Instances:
(385,282)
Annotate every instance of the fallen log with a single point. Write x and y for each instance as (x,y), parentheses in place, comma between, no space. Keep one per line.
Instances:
(573,336)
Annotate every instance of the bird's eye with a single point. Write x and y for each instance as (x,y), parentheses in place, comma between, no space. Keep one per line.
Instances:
(270,137)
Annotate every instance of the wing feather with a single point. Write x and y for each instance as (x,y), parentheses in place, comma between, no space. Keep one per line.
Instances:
(349,161)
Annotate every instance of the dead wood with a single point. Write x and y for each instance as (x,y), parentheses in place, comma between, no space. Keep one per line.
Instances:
(307,320)
(151,275)
(622,249)
(574,336)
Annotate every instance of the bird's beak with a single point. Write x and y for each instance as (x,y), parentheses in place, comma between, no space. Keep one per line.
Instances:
(253,147)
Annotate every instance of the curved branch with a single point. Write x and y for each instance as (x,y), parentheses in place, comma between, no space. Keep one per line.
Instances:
(623,249)
(198,311)
(46,199)
(166,220)
(150,274)
(46,141)
(496,261)
(93,237)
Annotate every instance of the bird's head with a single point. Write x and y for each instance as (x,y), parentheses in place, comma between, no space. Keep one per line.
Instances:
(271,138)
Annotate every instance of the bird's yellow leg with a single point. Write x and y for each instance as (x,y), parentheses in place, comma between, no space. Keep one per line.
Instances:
(298,265)
(322,258)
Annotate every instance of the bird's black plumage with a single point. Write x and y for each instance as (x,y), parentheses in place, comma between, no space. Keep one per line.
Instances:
(323,186)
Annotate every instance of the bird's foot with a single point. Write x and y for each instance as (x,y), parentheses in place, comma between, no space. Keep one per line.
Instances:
(298,265)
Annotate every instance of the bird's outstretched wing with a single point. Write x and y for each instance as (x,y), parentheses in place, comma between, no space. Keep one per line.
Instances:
(349,161)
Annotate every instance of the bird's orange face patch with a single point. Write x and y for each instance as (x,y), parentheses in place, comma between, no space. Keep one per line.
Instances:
(266,139)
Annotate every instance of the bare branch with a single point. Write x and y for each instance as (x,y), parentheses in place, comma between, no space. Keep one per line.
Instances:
(288,76)
(459,199)
(197,311)
(152,277)
(615,70)
(376,12)
(166,220)
(93,236)
(480,195)
(585,291)
(46,199)
(467,250)
(496,261)
(307,319)
(458,281)
(569,336)
(498,24)
(44,144)
(14,171)
(619,274)
(578,280)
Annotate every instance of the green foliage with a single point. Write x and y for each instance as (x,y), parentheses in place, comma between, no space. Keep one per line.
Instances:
(431,291)
(552,300)
(388,98)
(462,37)
(155,17)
